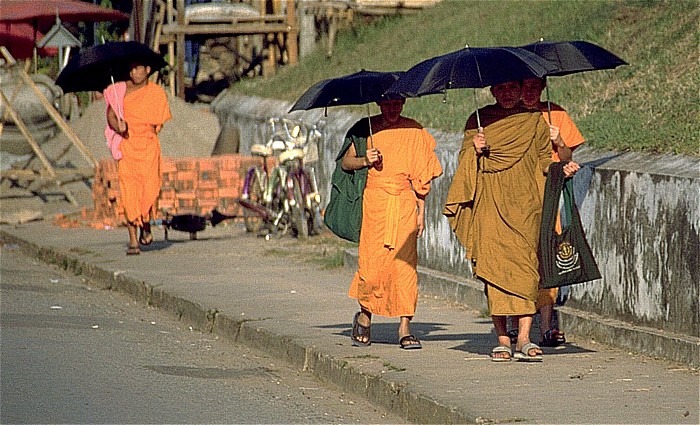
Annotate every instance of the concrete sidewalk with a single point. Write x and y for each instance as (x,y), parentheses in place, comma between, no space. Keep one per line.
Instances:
(233,284)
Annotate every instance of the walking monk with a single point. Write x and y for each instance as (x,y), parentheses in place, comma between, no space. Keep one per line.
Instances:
(494,206)
(402,163)
(137,120)
(565,138)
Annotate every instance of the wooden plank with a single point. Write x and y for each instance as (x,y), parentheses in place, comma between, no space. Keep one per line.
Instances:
(73,174)
(241,19)
(227,29)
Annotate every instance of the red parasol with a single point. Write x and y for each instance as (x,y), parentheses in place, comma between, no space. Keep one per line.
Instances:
(24,22)
(42,14)
(19,38)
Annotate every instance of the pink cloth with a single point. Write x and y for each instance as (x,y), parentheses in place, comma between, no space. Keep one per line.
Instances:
(114,97)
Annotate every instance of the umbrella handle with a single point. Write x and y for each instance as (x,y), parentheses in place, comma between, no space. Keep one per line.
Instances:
(549,105)
(476,106)
(369,121)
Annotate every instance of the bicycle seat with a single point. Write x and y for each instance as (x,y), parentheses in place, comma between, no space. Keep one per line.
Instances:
(258,149)
(278,145)
(290,155)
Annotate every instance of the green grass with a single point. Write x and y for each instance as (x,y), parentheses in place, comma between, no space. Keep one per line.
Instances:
(652,105)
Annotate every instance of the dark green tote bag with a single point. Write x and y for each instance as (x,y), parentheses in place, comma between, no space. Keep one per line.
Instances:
(343,214)
(566,258)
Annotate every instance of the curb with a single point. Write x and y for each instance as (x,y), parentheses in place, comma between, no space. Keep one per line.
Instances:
(362,379)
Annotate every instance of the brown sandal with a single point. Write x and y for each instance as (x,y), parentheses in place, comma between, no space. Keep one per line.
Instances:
(133,250)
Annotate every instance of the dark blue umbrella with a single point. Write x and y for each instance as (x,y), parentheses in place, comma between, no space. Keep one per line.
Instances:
(96,67)
(353,89)
(575,56)
(471,67)
(572,57)
(363,87)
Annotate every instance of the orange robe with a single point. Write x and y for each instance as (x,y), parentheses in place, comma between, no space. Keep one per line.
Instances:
(145,112)
(568,131)
(386,282)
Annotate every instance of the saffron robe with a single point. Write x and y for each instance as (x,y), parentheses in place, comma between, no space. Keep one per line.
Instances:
(568,131)
(386,282)
(494,205)
(145,112)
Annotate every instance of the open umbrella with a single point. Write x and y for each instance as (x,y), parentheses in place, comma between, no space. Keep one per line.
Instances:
(363,87)
(574,56)
(471,67)
(96,67)
(352,89)
(42,14)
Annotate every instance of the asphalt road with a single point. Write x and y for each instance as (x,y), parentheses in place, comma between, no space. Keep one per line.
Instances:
(73,354)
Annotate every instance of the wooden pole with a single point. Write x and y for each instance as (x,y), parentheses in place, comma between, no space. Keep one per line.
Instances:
(180,50)
(292,44)
(59,120)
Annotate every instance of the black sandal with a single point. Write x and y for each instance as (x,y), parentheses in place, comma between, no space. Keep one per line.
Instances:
(410,342)
(553,338)
(359,332)
(146,237)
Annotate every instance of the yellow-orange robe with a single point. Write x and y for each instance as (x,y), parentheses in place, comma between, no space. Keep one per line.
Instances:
(145,112)
(494,205)
(386,282)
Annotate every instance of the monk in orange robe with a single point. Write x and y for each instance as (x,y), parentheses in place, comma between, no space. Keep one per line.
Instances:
(565,138)
(145,110)
(494,206)
(402,162)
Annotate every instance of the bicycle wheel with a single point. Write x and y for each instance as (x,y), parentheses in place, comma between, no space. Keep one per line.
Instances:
(300,220)
(252,220)
(277,195)
(315,220)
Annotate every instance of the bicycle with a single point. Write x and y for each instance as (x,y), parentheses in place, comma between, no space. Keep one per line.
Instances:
(286,196)
(301,188)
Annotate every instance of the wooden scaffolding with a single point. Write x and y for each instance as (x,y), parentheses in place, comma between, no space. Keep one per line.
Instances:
(279,33)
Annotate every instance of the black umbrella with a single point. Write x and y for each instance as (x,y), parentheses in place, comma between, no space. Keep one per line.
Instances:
(471,67)
(363,87)
(352,89)
(96,67)
(574,56)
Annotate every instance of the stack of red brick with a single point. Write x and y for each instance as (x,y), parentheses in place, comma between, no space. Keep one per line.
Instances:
(190,186)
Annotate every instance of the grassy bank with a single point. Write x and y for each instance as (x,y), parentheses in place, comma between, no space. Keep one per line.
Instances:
(651,105)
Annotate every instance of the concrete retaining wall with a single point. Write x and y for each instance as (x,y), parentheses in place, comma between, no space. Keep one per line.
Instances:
(640,212)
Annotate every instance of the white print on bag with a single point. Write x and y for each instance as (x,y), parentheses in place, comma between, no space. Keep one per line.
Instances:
(567,258)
